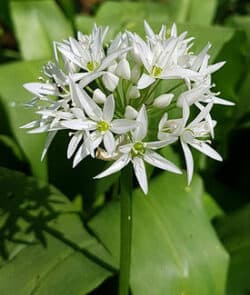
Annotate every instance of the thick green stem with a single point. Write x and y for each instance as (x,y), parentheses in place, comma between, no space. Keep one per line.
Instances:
(125,229)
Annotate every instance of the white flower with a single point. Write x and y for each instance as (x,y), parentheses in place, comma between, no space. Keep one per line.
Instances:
(99,122)
(194,134)
(137,151)
(162,58)
(88,53)
(201,93)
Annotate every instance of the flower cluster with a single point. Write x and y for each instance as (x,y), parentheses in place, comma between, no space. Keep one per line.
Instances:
(104,95)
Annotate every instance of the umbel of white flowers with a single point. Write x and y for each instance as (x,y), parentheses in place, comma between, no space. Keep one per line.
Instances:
(105,93)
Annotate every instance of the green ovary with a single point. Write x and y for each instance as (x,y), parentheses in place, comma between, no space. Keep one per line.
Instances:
(138,149)
(102,126)
(156,71)
(92,65)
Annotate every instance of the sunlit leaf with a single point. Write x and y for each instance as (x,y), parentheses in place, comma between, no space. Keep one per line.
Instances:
(174,249)
(37,24)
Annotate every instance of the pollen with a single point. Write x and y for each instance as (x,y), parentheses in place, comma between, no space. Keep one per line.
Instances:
(156,71)
(92,65)
(138,149)
(102,126)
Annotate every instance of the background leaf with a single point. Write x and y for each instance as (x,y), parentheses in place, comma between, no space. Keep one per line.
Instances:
(13,96)
(234,233)
(44,246)
(174,248)
(38,23)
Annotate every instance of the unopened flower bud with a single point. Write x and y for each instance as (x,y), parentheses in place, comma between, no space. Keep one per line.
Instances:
(133,92)
(136,73)
(110,81)
(123,69)
(163,100)
(99,96)
(130,113)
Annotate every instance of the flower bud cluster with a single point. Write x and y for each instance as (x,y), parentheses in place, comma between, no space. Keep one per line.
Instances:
(104,95)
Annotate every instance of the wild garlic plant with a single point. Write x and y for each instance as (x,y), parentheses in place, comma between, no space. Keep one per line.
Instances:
(103,94)
(125,100)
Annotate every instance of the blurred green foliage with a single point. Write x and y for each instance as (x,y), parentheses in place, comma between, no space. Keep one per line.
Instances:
(67,242)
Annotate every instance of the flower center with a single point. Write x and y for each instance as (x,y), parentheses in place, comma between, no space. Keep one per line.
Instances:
(188,135)
(92,65)
(138,149)
(102,126)
(170,127)
(156,71)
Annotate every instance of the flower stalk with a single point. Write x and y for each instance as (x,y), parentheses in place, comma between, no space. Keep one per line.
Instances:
(125,229)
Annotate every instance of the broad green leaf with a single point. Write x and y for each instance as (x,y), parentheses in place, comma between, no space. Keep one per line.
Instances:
(234,233)
(193,11)
(174,249)
(44,246)
(201,12)
(37,24)
(242,23)
(84,23)
(211,206)
(13,96)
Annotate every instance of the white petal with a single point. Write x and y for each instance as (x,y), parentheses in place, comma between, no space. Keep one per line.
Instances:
(77,124)
(142,128)
(161,143)
(222,101)
(140,173)
(88,104)
(213,68)
(32,124)
(180,73)
(123,69)
(186,113)
(202,115)
(163,121)
(41,89)
(130,113)
(206,149)
(148,30)
(73,144)
(163,100)
(110,81)
(126,148)
(99,96)
(89,77)
(145,81)
(78,113)
(115,167)
(81,154)
(40,129)
(49,140)
(157,160)
(109,108)
(135,73)
(189,161)
(110,58)
(109,142)
(121,126)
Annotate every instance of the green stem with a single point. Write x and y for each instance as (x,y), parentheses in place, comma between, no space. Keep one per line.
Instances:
(125,229)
